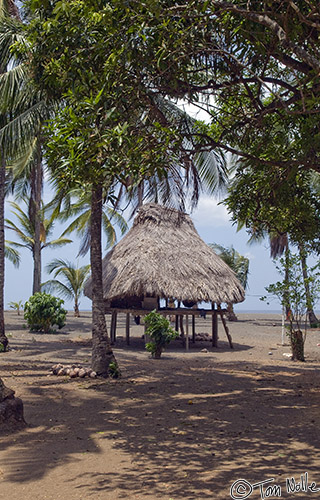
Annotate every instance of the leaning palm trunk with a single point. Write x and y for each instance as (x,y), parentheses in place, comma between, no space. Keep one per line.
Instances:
(3,338)
(102,354)
(313,320)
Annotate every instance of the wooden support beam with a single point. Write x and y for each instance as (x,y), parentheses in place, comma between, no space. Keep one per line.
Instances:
(128,328)
(177,323)
(187,332)
(214,327)
(193,328)
(182,329)
(226,329)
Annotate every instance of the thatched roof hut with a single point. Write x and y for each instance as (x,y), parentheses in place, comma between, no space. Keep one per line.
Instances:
(163,256)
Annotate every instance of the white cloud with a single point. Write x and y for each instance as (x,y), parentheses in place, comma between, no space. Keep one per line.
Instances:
(210,213)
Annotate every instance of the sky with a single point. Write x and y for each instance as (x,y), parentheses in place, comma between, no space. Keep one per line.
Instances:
(213,225)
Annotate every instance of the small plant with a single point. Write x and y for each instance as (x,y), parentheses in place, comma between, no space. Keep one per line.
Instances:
(16,306)
(42,311)
(2,348)
(160,331)
(114,370)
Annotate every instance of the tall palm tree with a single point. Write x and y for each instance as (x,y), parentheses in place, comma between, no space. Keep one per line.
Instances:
(25,230)
(8,10)
(26,111)
(239,265)
(73,281)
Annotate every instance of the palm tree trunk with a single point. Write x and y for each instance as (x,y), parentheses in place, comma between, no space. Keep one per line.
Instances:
(34,214)
(286,281)
(231,315)
(313,320)
(102,354)
(76,307)
(3,338)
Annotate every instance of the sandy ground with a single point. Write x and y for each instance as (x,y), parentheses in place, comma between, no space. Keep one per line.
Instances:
(184,427)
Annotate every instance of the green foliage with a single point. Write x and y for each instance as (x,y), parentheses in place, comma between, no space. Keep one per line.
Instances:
(160,331)
(268,200)
(115,126)
(237,262)
(25,230)
(293,295)
(12,254)
(16,306)
(73,279)
(292,291)
(42,311)
(114,370)
(2,347)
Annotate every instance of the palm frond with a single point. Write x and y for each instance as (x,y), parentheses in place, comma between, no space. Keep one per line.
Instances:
(12,254)
(57,286)
(59,242)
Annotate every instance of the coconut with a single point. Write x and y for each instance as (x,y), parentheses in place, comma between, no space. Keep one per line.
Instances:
(82,373)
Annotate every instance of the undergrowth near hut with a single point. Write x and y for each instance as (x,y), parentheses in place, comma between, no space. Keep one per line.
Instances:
(160,331)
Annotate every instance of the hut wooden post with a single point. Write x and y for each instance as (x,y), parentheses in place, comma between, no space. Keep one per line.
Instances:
(181,328)
(113,327)
(187,332)
(177,317)
(226,329)
(214,327)
(128,328)
(193,328)
(177,322)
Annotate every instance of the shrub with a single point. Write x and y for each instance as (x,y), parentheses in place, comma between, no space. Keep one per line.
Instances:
(160,331)
(42,311)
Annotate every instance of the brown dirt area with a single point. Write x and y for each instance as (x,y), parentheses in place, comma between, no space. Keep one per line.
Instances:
(183,427)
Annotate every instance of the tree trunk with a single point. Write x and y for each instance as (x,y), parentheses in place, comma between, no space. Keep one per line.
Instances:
(231,315)
(3,338)
(36,182)
(102,354)
(297,345)
(313,320)
(286,280)
(11,409)
(76,308)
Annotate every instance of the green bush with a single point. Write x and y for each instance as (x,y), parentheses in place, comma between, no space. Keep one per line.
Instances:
(42,311)
(160,331)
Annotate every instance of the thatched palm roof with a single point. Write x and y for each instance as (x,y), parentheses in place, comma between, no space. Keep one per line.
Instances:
(163,256)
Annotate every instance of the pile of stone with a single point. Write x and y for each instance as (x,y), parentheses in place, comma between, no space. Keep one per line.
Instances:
(203,337)
(73,371)
(11,408)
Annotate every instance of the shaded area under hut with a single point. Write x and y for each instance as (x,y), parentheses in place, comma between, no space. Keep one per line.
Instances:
(163,257)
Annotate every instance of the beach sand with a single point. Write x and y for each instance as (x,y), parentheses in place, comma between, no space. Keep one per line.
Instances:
(186,426)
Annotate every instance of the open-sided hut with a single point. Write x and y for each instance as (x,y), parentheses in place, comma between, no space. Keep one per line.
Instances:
(163,257)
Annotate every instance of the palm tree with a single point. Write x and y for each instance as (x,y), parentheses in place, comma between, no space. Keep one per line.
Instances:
(239,265)
(76,203)
(7,10)
(26,111)
(73,281)
(25,230)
